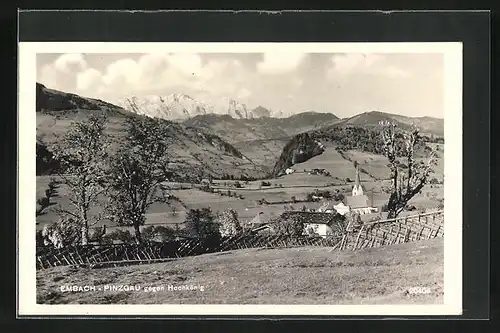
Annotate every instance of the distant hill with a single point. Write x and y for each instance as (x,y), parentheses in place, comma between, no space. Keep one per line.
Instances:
(299,149)
(263,128)
(197,152)
(261,111)
(55,100)
(427,125)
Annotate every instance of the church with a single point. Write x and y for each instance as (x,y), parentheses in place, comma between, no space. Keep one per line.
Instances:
(358,202)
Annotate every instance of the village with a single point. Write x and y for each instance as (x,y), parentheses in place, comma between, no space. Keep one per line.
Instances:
(318,221)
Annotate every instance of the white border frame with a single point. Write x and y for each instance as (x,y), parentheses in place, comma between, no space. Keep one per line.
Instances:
(26,284)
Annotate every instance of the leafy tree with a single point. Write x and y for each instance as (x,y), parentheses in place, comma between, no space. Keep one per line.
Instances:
(137,172)
(82,152)
(289,226)
(406,183)
(201,223)
(229,225)
(63,233)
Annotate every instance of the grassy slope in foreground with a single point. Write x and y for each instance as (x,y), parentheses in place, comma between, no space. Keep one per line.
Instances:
(306,275)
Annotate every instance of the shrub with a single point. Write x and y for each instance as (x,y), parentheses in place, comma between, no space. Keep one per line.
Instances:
(339,197)
(434,181)
(43,202)
(237,184)
(158,233)
(124,236)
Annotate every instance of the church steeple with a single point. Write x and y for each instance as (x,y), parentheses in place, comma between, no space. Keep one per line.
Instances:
(357,189)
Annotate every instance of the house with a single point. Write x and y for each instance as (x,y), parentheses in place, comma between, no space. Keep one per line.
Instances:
(341,208)
(327,207)
(320,229)
(315,223)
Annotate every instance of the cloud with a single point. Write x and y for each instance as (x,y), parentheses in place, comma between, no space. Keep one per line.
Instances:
(187,64)
(123,71)
(88,78)
(396,72)
(62,72)
(243,93)
(164,73)
(279,63)
(364,64)
(70,63)
(48,76)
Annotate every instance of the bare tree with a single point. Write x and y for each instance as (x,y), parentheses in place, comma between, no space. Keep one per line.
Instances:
(407,181)
(137,172)
(82,152)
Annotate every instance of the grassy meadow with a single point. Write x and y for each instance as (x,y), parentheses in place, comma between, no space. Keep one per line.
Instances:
(369,276)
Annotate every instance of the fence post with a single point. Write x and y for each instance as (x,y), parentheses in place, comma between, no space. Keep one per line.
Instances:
(357,238)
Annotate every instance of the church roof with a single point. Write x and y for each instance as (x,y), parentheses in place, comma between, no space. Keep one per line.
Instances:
(357,201)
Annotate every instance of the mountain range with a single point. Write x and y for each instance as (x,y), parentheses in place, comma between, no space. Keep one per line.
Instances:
(179,106)
(228,139)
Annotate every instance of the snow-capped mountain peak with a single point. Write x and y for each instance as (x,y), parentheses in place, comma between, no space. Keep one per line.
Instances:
(179,106)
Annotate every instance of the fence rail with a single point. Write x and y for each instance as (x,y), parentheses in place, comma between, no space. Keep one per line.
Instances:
(373,234)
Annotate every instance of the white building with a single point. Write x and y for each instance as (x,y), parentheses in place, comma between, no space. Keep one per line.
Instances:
(357,189)
(358,202)
(341,208)
(320,229)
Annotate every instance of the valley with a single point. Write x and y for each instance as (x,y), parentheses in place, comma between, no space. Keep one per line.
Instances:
(226,149)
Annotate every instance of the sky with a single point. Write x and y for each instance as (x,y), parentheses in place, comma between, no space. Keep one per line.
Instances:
(344,84)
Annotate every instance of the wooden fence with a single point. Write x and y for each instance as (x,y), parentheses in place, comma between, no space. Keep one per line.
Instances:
(372,234)
(394,231)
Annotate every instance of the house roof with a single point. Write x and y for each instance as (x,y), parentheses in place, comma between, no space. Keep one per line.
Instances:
(357,201)
(260,218)
(311,217)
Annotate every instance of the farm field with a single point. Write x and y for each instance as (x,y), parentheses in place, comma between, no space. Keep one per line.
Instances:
(293,185)
(306,275)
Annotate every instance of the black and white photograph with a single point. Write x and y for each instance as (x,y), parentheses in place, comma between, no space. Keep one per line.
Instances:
(248,178)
